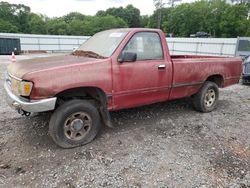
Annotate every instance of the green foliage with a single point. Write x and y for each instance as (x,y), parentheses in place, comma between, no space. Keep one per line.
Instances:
(234,22)
(18,18)
(153,20)
(144,21)
(213,16)
(7,27)
(132,16)
(129,14)
(73,16)
(57,26)
(15,14)
(92,25)
(100,23)
(37,24)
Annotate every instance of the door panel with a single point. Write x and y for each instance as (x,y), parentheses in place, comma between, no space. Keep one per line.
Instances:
(144,81)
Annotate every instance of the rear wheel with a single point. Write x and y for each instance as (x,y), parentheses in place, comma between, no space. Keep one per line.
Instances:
(74,123)
(207,98)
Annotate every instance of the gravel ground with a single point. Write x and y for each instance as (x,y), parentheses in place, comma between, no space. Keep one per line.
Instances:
(161,145)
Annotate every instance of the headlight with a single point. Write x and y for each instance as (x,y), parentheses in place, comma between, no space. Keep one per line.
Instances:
(25,88)
(22,88)
(15,86)
(19,86)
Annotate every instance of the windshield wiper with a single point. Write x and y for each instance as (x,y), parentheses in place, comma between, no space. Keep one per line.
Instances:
(87,54)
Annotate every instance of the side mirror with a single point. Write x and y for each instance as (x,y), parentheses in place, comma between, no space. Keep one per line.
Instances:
(127,57)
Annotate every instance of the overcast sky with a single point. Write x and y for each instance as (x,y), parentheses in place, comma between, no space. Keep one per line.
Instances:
(54,8)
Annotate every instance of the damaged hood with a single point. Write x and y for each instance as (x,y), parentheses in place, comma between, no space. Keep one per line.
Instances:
(20,68)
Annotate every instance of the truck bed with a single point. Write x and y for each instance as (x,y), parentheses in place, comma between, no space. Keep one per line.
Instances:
(190,72)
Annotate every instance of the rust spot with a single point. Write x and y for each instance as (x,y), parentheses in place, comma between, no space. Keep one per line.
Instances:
(87,54)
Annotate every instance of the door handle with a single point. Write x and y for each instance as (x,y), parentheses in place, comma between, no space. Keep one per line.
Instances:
(163,66)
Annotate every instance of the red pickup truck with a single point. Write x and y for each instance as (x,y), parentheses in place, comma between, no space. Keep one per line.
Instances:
(114,69)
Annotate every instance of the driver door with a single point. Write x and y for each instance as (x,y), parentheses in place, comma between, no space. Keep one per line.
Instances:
(146,80)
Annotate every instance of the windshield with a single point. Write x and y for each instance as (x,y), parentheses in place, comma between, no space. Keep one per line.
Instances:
(104,43)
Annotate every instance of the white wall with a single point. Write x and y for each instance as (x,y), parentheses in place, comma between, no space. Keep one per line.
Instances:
(193,46)
(202,46)
(54,43)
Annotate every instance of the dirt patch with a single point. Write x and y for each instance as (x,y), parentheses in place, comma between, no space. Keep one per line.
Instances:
(162,145)
(87,54)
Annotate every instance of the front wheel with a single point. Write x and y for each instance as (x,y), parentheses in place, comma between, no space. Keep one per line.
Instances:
(74,123)
(207,98)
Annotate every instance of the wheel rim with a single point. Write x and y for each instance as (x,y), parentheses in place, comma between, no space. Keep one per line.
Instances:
(210,98)
(77,126)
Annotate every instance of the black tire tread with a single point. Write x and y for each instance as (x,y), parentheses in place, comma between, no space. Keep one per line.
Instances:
(198,98)
(58,117)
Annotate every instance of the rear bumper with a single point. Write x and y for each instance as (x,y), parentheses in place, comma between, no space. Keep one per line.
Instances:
(20,103)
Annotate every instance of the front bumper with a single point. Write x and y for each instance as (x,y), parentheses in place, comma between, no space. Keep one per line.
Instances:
(20,103)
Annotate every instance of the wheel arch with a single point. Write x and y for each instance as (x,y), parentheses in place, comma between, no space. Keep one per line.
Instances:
(216,78)
(99,97)
(83,93)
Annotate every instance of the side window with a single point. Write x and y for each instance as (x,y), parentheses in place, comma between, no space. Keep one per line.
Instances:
(147,45)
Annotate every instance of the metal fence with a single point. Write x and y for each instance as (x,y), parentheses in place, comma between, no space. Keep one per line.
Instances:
(192,46)
(51,43)
(203,46)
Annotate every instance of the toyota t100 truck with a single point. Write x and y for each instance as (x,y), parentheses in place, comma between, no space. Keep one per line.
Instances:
(113,70)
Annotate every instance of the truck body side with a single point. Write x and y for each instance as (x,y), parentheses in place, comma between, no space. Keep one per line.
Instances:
(131,84)
(143,82)
(138,70)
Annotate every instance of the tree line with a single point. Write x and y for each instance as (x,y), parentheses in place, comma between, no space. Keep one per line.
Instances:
(216,17)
